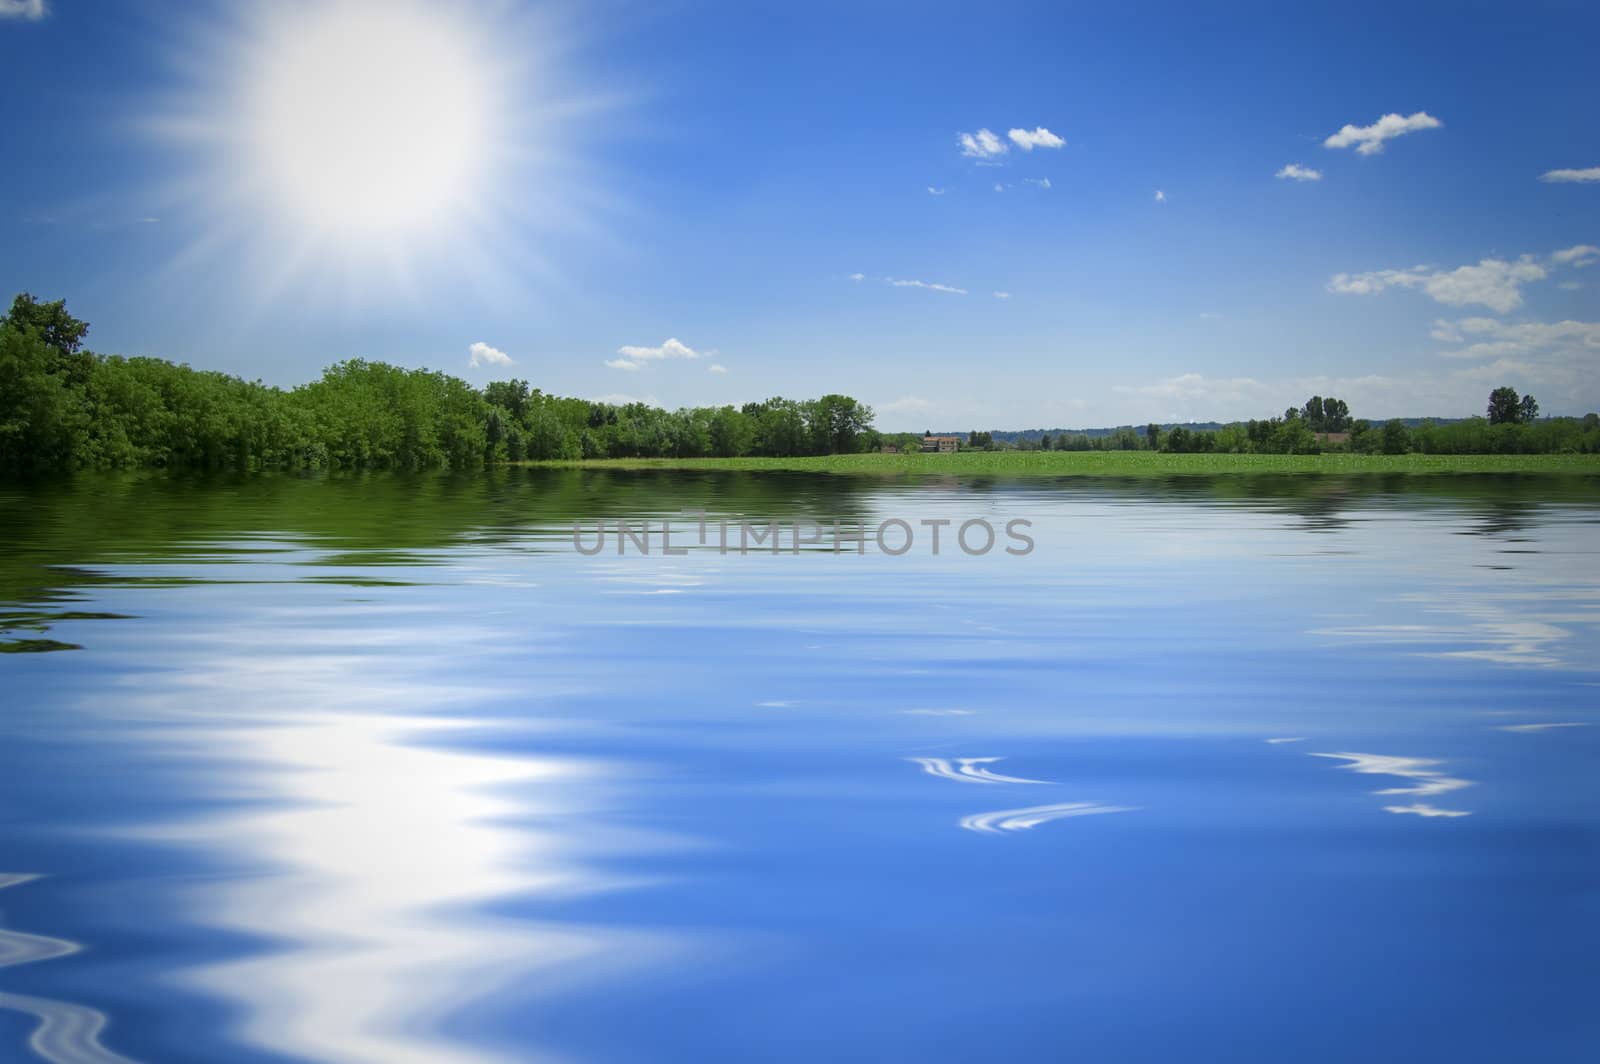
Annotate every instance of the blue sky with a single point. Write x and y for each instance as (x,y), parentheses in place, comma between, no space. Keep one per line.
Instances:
(748,181)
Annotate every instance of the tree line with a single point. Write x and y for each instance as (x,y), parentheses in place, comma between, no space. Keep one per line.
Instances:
(62,407)
(1511,425)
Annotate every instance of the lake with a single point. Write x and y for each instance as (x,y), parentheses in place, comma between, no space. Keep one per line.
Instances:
(388,768)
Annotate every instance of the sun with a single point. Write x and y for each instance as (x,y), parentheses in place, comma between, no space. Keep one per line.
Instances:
(359,118)
(367,154)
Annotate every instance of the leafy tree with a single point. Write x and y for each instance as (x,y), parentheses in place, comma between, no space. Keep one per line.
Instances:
(1528,410)
(1505,406)
(1396,440)
(49,321)
(1152,436)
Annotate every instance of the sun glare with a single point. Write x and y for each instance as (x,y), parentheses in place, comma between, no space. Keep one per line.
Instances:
(360,118)
(375,152)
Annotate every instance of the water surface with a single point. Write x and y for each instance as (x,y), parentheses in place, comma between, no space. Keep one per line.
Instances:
(385,769)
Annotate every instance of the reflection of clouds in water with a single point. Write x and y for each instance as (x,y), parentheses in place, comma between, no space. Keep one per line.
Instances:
(967,770)
(1526,628)
(1427,781)
(66,1033)
(1543,727)
(1007,820)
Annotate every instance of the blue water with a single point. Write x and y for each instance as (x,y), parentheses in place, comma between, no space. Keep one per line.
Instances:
(385,769)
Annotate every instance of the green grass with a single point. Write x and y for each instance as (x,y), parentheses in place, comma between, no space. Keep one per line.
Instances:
(1116,463)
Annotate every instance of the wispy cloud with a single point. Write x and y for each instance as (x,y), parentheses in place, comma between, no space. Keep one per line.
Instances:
(623,399)
(716,367)
(1493,283)
(480,355)
(909,404)
(1368,140)
(1002,295)
(1039,137)
(673,348)
(981,145)
(1580,256)
(929,285)
(935,191)
(1161,197)
(1037,182)
(1296,172)
(1543,727)
(1576,177)
(32,10)
(635,357)
(1486,338)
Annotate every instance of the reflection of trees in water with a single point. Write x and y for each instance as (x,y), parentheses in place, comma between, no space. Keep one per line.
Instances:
(57,532)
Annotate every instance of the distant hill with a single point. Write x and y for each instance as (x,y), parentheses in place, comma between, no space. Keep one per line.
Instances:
(1032,435)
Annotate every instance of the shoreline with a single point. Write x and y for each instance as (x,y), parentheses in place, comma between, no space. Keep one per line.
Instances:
(1109,464)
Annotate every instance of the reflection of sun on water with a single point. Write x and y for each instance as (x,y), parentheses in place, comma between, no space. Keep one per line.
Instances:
(369,855)
(375,865)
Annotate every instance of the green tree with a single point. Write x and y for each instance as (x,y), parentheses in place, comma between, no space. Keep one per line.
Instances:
(1505,406)
(49,321)
(1396,440)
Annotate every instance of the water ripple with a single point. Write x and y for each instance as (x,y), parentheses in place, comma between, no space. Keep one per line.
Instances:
(967,770)
(67,1033)
(1427,781)
(1004,820)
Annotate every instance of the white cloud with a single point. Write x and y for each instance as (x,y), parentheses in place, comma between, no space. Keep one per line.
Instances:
(672,348)
(935,191)
(621,399)
(929,285)
(483,355)
(1526,341)
(1581,255)
(1368,140)
(1296,172)
(1002,295)
(32,10)
(1195,390)
(1037,182)
(1580,177)
(1039,138)
(1161,197)
(858,277)
(1493,283)
(981,145)
(909,404)
(634,358)
(716,367)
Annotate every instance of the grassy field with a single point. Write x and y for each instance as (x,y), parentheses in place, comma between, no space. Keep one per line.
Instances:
(1116,464)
